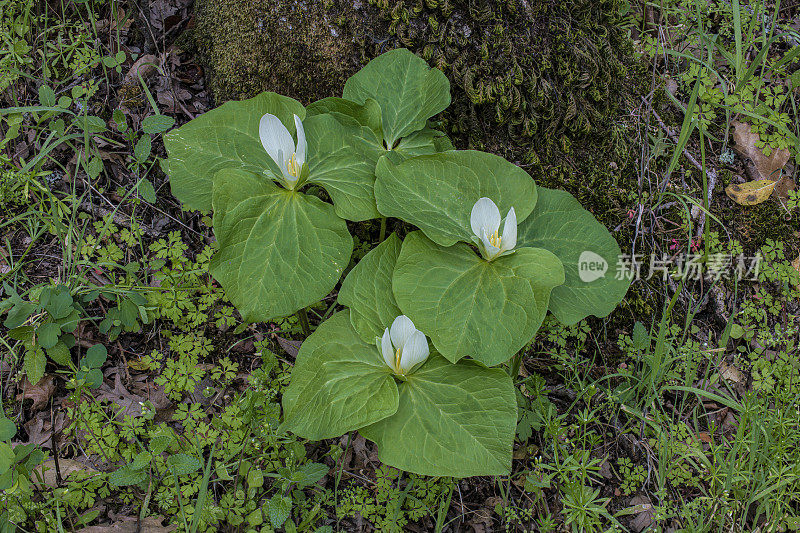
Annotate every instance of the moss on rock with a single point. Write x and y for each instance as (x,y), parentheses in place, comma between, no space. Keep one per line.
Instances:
(542,83)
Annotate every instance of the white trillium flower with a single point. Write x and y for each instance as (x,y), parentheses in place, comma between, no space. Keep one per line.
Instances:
(404,346)
(485,222)
(280,146)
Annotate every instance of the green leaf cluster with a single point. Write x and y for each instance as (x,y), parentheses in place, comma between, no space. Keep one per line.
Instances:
(370,153)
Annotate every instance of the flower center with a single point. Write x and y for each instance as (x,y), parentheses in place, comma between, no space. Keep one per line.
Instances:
(398,354)
(293,167)
(495,239)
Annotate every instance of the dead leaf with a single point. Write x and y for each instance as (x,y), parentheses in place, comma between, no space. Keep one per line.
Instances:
(131,403)
(796,265)
(39,393)
(644,513)
(750,193)
(144,66)
(40,429)
(130,524)
(745,140)
(290,346)
(730,373)
(782,189)
(46,472)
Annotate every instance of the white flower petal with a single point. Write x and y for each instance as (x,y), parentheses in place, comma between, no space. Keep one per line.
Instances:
(485,215)
(302,146)
(402,328)
(490,250)
(509,239)
(386,349)
(415,351)
(276,140)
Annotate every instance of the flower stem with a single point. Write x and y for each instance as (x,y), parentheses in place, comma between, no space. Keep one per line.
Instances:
(516,362)
(304,321)
(383,229)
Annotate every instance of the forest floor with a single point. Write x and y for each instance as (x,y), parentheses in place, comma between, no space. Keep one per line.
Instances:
(134,398)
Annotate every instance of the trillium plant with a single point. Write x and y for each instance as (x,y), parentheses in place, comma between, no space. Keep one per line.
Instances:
(413,358)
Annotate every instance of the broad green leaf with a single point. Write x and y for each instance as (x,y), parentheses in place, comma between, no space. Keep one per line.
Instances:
(279,250)
(125,476)
(141,460)
(339,383)
(452,420)
(34,364)
(59,353)
(157,124)
(182,464)
(47,97)
(19,313)
(311,473)
(225,137)
(280,507)
(367,290)
(146,191)
(47,334)
(367,114)
(436,192)
(422,142)
(407,90)
(344,164)
(7,429)
(96,355)
(6,456)
(57,301)
(22,333)
(487,310)
(143,148)
(640,336)
(559,224)
(93,377)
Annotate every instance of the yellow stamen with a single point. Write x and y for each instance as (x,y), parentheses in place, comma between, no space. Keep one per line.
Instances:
(494,240)
(397,356)
(293,167)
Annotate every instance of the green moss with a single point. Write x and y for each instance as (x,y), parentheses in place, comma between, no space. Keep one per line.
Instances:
(292,48)
(542,83)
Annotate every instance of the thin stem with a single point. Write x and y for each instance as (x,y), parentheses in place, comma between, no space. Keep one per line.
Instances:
(383,229)
(515,364)
(303,314)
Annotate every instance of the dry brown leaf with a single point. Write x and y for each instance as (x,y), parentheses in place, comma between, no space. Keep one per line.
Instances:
(290,346)
(131,403)
(40,428)
(46,472)
(745,140)
(730,373)
(644,513)
(782,188)
(144,66)
(796,265)
(39,393)
(750,193)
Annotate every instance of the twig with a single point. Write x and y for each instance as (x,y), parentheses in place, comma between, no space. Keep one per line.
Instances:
(119,220)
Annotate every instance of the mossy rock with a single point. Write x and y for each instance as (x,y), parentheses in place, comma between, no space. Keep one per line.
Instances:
(545,84)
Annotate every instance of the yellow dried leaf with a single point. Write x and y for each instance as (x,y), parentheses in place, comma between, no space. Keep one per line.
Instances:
(750,193)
